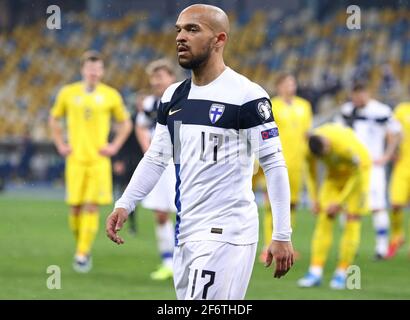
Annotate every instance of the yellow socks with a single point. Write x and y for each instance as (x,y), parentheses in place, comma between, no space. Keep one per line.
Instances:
(74,224)
(397,226)
(87,232)
(349,243)
(322,240)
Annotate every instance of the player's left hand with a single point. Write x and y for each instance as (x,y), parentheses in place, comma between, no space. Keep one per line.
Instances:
(109,150)
(283,253)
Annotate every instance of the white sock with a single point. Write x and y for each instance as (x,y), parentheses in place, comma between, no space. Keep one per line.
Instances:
(165,238)
(340,272)
(342,220)
(317,271)
(381,225)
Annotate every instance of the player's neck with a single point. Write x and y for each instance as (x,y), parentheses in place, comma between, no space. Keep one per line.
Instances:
(361,106)
(89,87)
(207,73)
(288,98)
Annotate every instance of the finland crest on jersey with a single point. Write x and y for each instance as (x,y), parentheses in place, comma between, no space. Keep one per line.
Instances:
(214,132)
(215,112)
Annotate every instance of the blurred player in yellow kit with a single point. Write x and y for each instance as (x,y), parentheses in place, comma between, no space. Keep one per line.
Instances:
(293,115)
(88,106)
(345,187)
(400,180)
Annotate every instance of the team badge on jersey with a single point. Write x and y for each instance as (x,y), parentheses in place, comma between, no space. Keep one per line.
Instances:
(264,110)
(215,112)
(99,99)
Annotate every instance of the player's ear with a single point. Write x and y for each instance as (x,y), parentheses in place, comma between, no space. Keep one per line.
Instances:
(221,39)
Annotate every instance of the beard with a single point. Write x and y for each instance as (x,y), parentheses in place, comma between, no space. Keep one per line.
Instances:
(196,61)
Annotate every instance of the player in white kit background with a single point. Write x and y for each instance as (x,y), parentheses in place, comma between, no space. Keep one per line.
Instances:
(161,199)
(376,128)
(213,125)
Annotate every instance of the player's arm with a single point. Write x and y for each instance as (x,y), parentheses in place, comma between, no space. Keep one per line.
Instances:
(351,182)
(277,182)
(142,132)
(145,177)
(308,118)
(122,127)
(56,128)
(122,130)
(342,117)
(143,124)
(57,135)
(392,142)
(311,183)
(256,116)
(393,137)
(349,186)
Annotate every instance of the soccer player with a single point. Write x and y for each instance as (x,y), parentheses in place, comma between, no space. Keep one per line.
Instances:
(161,199)
(212,125)
(88,106)
(400,180)
(380,133)
(293,115)
(344,187)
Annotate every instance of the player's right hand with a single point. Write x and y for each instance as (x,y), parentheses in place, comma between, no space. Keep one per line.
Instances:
(333,209)
(281,252)
(114,224)
(109,150)
(64,149)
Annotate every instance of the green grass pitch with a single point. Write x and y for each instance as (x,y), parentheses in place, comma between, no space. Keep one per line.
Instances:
(34,235)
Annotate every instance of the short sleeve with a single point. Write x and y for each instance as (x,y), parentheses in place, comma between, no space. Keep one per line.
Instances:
(393,125)
(118,108)
(59,108)
(396,121)
(142,119)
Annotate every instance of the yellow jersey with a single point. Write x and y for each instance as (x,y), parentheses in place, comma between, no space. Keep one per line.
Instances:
(88,116)
(294,121)
(402,114)
(347,159)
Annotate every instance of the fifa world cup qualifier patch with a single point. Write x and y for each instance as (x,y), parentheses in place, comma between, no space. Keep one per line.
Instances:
(269,133)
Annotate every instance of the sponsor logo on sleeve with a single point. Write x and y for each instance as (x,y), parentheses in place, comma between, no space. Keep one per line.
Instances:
(269,133)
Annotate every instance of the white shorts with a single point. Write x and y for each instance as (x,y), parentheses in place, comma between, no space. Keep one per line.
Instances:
(212,270)
(162,197)
(377,197)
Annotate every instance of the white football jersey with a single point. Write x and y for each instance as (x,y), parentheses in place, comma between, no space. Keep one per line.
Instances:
(213,132)
(371,123)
